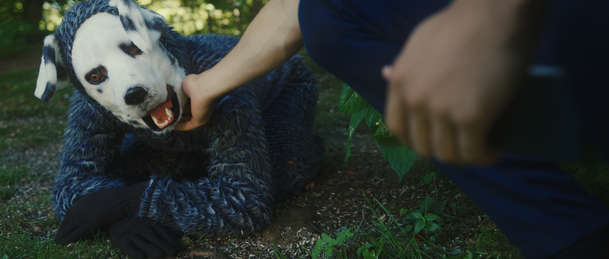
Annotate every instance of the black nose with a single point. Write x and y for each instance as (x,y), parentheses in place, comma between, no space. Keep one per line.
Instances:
(135,95)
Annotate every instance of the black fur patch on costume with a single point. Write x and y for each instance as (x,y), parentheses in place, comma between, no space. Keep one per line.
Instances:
(128,24)
(48,54)
(156,25)
(49,91)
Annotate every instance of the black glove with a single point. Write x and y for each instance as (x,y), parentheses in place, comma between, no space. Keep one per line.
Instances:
(99,210)
(141,238)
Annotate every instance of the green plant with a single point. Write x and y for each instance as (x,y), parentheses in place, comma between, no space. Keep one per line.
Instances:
(400,158)
(413,234)
(326,245)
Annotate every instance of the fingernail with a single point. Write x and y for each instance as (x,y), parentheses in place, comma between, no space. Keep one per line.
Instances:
(387,71)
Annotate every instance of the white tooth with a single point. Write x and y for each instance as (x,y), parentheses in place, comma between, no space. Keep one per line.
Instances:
(169,114)
(158,123)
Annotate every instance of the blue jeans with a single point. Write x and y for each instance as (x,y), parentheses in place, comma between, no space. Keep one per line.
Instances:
(541,209)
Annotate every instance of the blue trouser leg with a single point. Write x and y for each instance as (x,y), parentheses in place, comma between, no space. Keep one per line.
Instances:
(541,209)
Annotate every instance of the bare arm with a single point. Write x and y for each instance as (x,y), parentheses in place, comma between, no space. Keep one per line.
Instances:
(456,74)
(270,39)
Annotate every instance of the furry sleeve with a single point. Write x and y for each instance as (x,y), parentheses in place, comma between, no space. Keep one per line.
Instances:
(90,144)
(235,196)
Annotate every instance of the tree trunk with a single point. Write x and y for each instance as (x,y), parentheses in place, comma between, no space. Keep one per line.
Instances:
(32,11)
(32,14)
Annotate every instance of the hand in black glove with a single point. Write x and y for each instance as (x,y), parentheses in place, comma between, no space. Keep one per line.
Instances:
(98,210)
(141,238)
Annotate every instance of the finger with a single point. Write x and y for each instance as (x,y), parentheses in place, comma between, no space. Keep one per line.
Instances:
(419,132)
(149,248)
(198,118)
(170,237)
(191,124)
(154,236)
(444,140)
(63,232)
(186,126)
(75,234)
(130,248)
(472,146)
(387,72)
(396,115)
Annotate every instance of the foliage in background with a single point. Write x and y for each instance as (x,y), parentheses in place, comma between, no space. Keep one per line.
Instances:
(24,22)
(186,16)
(400,158)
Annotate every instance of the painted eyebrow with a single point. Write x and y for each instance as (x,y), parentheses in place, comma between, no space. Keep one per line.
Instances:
(130,49)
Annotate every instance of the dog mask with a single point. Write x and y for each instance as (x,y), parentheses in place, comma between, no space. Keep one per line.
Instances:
(111,51)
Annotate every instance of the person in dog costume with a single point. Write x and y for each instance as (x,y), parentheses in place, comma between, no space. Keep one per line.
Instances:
(123,167)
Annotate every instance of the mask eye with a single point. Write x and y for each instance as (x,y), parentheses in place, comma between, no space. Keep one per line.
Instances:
(130,49)
(97,75)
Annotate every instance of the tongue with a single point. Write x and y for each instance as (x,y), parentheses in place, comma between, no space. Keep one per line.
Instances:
(162,115)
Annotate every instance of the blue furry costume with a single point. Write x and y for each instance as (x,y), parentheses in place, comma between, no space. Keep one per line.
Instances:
(222,177)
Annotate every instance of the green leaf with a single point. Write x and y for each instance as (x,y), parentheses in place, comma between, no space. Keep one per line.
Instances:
(350,102)
(429,177)
(419,226)
(427,203)
(343,236)
(400,158)
(416,215)
(356,119)
(345,94)
(403,212)
(324,243)
(433,227)
(431,217)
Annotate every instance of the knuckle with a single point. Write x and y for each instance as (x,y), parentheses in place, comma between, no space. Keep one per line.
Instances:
(467,118)
(415,100)
(439,109)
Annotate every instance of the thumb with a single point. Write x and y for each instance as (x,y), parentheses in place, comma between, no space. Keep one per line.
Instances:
(387,72)
(200,116)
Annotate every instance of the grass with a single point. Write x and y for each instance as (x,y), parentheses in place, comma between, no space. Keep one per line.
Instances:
(9,178)
(18,100)
(27,232)
(26,121)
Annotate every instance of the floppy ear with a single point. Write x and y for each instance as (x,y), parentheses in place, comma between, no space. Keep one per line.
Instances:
(51,73)
(143,26)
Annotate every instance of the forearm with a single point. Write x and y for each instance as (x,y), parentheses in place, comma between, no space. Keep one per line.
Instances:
(270,39)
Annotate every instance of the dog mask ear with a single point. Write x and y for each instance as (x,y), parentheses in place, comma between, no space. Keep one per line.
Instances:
(143,26)
(51,73)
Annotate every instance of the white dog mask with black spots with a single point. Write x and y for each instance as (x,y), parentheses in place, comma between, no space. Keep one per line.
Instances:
(121,65)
